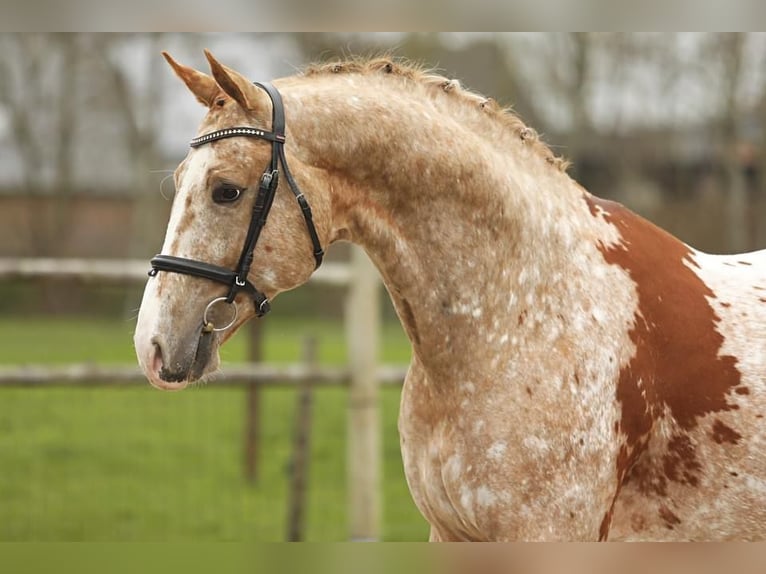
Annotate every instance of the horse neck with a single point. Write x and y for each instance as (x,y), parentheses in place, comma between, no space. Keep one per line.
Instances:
(462,229)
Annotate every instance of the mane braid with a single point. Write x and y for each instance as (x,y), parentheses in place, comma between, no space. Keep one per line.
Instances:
(434,81)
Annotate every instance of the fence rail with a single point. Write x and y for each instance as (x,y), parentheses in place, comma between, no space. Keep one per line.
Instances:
(237,375)
(362,376)
(128,270)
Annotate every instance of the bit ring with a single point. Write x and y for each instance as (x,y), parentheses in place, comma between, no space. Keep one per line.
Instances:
(207,326)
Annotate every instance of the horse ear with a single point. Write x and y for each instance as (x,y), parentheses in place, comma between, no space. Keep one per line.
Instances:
(201,85)
(233,83)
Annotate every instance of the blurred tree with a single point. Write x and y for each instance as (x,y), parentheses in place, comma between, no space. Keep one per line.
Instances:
(39,91)
(569,68)
(138,106)
(760,240)
(481,63)
(727,51)
(84,112)
(644,117)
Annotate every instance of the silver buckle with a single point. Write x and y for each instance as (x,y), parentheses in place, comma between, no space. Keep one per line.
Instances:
(240,282)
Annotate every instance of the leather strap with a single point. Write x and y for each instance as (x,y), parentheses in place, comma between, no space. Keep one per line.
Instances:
(278,152)
(209,271)
(237,279)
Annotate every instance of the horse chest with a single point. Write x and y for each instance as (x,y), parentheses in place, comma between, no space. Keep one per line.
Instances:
(495,467)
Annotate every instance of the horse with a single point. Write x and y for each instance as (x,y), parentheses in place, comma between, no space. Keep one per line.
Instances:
(577,372)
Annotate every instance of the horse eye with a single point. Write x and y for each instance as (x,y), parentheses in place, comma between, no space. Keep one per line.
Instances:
(226,194)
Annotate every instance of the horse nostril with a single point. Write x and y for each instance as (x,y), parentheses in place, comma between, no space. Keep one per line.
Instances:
(157,357)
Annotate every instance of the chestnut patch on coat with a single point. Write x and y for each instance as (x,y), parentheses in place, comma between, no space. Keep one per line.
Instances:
(606,522)
(647,478)
(183,226)
(670,519)
(677,364)
(723,433)
(680,462)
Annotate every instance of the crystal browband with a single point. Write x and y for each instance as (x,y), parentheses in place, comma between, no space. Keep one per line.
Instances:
(236,132)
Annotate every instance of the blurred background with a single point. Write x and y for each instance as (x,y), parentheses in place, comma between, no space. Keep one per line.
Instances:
(91,128)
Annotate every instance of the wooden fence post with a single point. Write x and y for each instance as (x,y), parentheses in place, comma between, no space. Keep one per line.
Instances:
(253,404)
(364,441)
(301,456)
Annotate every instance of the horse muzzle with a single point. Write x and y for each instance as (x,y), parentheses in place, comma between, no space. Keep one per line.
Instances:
(171,364)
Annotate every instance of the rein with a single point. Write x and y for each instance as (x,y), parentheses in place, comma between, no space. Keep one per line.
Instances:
(236,279)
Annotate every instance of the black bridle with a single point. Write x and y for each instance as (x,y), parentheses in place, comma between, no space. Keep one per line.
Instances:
(236,279)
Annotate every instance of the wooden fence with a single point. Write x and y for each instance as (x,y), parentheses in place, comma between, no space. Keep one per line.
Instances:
(362,376)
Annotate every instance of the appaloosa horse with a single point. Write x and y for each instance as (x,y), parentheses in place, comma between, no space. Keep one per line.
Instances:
(577,373)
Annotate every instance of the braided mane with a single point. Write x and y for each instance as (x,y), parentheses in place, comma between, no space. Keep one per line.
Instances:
(434,81)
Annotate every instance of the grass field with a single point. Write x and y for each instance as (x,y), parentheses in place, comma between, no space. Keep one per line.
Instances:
(135,464)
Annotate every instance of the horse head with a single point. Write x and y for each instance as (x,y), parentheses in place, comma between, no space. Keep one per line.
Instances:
(236,237)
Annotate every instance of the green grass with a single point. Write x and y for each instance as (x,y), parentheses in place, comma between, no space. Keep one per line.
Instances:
(135,464)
